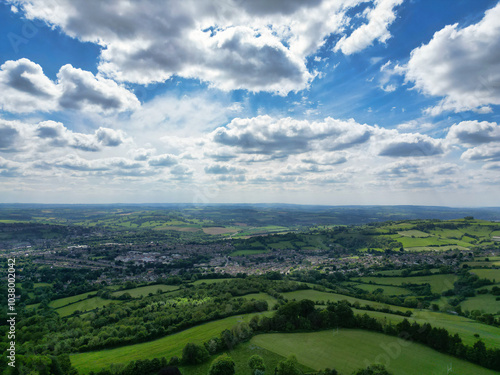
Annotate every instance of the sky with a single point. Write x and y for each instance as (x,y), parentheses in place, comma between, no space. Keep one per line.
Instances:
(334,102)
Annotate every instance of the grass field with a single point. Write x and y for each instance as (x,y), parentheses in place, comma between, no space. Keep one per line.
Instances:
(347,350)
(438,283)
(482,302)
(491,274)
(165,347)
(68,300)
(388,290)
(41,285)
(466,328)
(145,290)
(211,281)
(318,296)
(219,230)
(85,305)
(240,355)
(271,301)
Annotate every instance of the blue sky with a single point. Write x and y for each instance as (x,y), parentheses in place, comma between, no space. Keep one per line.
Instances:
(318,102)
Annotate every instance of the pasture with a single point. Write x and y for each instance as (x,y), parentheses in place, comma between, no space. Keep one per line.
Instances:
(482,302)
(490,274)
(271,301)
(319,297)
(167,346)
(69,300)
(438,283)
(347,350)
(464,327)
(144,291)
(85,305)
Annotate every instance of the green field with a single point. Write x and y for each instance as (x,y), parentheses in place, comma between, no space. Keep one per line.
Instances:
(388,290)
(482,302)
(438,283)
(466,328)
(317,296)
(240,355)
(85,305)
(165,347)
(271,301)
(69,300)
(145,290)
(41,285)
(347,350)
(491,274)
(212,281)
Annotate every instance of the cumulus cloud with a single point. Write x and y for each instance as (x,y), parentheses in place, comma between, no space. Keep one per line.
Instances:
(223,169)
(282,137)
(25,88)
(142,154)
(16,136)
(9,168)
(461,66)
(83,91)
(379,19)
(109,137)
(488,152)
(164,160)
(9,136)
(411,145)
(330,158)
(473,133)
(253,45)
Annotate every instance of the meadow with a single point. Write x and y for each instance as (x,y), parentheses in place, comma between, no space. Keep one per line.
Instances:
(144,291)
(167,346)
(317,296)
(438,283)
(347,350)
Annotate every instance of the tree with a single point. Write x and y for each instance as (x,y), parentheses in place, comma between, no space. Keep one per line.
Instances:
(169,370)
(373,370)
(193,354)
(222,365)
(289,367)
(256,363)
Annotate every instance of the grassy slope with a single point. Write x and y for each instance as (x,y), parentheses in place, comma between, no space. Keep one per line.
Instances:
(241,355)
(68,300)
(271,301)
(347,350)
(482,302)
(438,283)
(466,328)
(165,347)
(85,305)
(145,290)
(315,295)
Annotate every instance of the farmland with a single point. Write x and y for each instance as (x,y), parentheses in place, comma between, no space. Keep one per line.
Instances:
(168,346)
(438,283)
(347,350)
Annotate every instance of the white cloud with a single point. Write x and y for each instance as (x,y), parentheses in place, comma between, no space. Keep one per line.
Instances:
(379,19)
(282,137)
(487,152)
(461,66)
(164,160)
(26,89)
(411,145)
(471,133)
(83,91)
(254,45)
